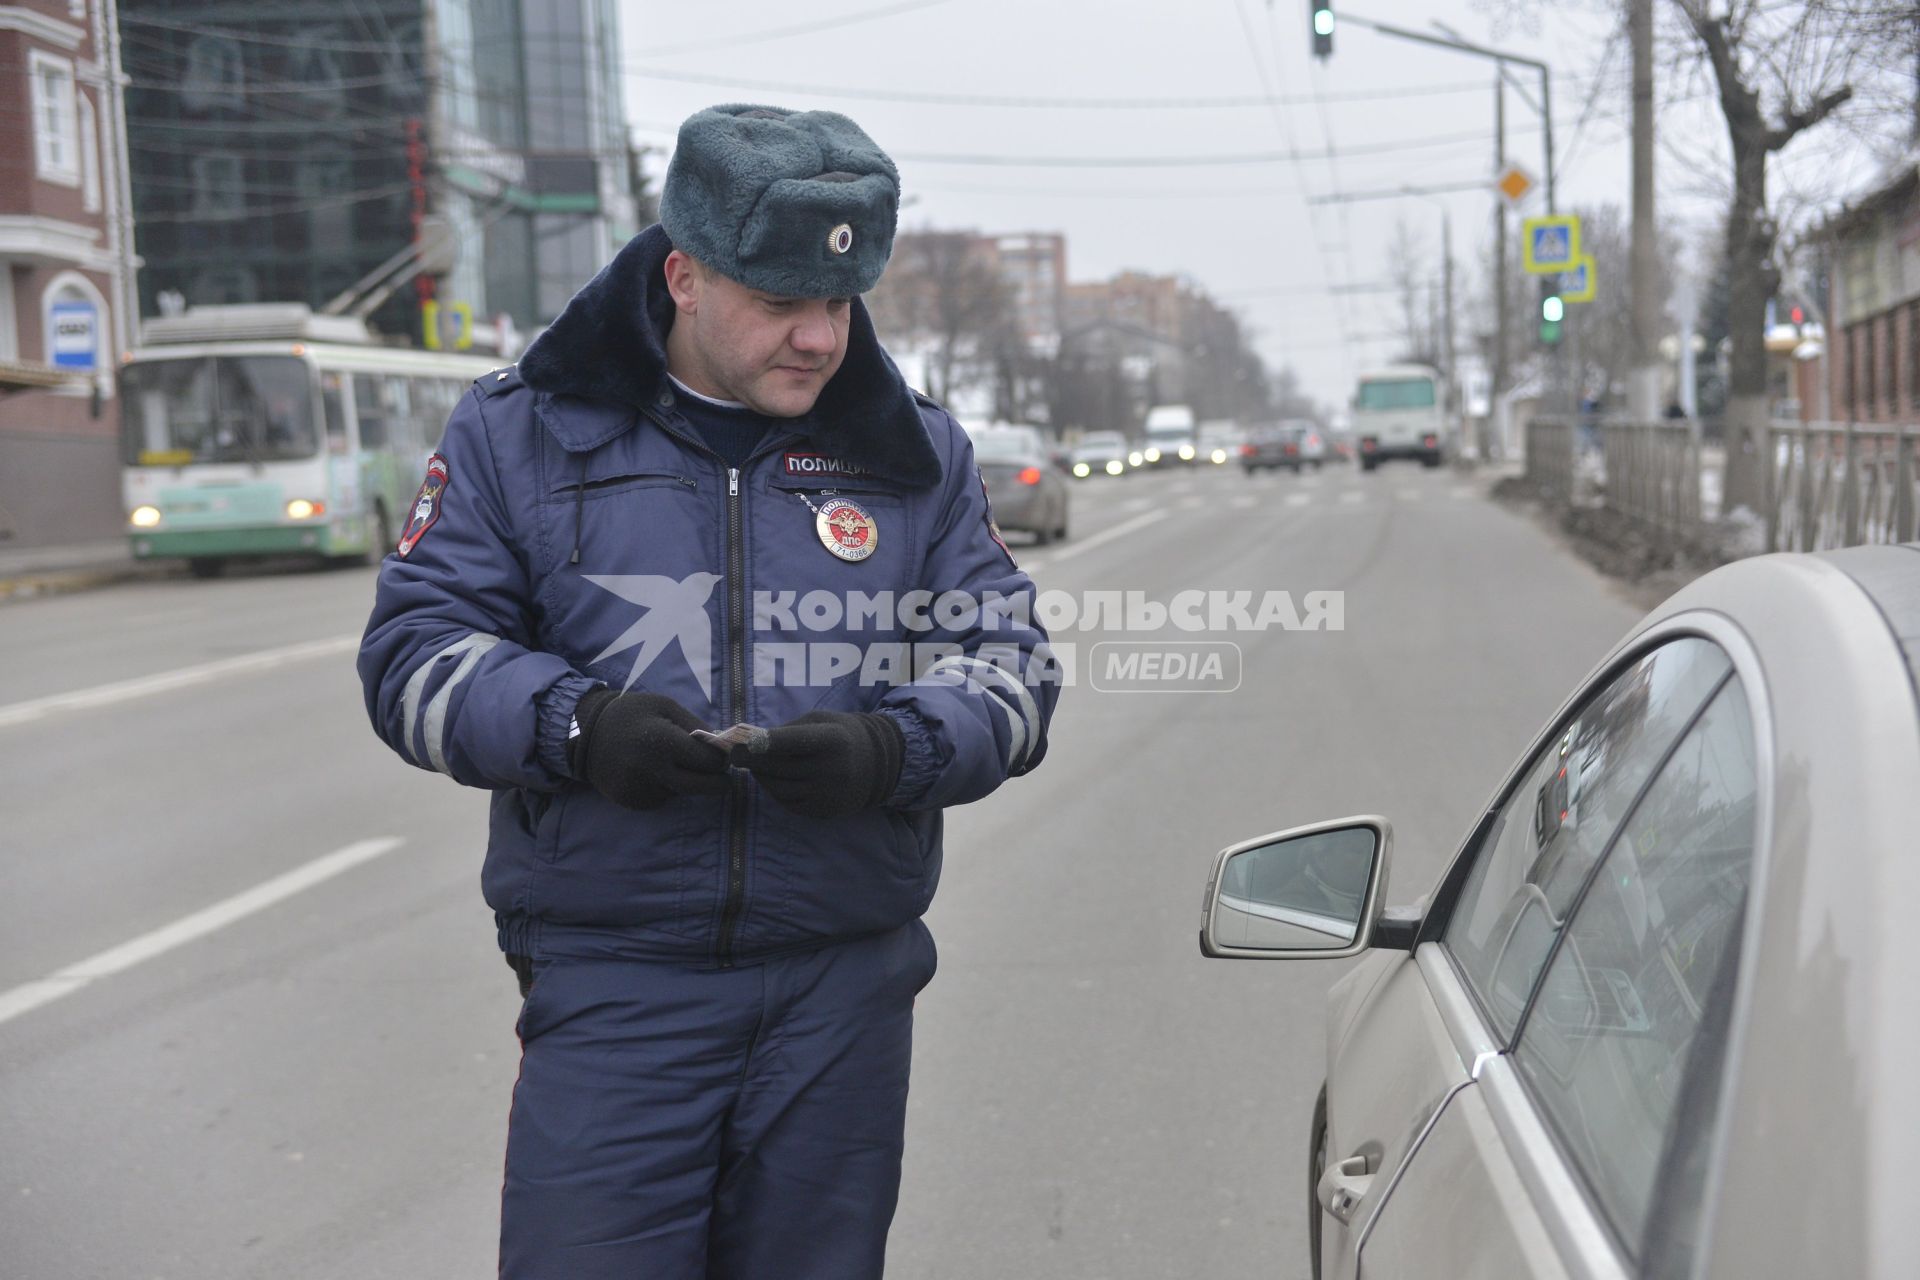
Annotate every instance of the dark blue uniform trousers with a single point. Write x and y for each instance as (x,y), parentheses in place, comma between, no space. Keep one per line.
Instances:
(736,1124)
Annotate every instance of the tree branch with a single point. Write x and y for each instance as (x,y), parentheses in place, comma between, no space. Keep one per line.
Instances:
(1797,122)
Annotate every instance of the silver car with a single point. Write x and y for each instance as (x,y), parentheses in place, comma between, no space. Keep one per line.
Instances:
(1657,1017)
(1028,493)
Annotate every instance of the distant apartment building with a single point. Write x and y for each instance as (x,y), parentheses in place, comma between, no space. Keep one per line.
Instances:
(285,152)
(66,271)
(1033,267)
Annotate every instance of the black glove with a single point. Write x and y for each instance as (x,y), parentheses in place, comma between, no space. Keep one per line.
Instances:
(828,764)
(638,750)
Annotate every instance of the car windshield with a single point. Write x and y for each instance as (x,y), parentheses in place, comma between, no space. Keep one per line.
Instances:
(1397,393)
(217,409)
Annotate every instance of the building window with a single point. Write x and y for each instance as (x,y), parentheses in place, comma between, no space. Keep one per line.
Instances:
(217,186)
(1913,357)
(1869,334)
(55,144)
(89,157)
(9,336)
(74,325)
(1890,401)
(216,75)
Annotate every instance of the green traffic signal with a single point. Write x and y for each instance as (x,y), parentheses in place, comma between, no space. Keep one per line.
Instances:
(1552,309)
(1321,13)
(1550,332)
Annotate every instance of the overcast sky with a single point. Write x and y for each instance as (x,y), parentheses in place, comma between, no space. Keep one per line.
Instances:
(1382,113)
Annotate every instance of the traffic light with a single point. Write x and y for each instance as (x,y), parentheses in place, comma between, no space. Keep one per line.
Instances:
(1553,311)
(1321,12)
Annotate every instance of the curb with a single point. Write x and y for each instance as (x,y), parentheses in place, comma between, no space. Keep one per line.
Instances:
(55,582)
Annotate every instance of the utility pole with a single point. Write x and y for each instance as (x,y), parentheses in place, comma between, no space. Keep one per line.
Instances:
(1643,385)
(1503,342)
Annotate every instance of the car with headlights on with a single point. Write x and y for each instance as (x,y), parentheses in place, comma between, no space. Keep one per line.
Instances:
(1099,453)
(1028,493)
(1656,1017)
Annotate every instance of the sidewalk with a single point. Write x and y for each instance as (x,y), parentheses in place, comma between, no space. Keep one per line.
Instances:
(73,566)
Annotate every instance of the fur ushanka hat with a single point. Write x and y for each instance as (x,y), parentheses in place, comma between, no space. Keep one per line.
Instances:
(801,204)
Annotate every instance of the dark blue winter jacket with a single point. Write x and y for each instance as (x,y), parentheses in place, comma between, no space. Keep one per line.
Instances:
(689,581)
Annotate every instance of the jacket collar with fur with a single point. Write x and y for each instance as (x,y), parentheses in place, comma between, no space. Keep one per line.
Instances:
(609,347)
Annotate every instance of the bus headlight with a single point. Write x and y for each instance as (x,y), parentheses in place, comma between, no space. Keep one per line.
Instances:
(1082,470)
(1186,453)
(1153,455)
(302,509)
(144,517)
(1219,456)
(1136,458)
(1114,468)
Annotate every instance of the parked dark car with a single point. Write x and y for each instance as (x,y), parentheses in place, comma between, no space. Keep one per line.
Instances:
(1273,446)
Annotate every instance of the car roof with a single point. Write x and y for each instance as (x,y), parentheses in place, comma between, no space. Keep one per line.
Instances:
(1824,1040)
(1891,578)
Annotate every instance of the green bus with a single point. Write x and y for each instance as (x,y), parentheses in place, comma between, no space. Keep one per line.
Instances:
(265,430)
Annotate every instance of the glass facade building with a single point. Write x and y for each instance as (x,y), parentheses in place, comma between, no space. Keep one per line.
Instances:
(283,151)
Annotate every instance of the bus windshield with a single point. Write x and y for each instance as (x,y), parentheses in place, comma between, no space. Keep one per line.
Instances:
(217,409)
(1397,393)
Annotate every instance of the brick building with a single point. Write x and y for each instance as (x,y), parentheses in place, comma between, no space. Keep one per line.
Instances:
(66,271)
(1874,308)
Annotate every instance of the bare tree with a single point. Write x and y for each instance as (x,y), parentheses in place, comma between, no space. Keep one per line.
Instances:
(946,286)
(1778,71)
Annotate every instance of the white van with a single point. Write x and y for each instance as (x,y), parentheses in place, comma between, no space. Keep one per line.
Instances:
(1171,436)
(1399,412)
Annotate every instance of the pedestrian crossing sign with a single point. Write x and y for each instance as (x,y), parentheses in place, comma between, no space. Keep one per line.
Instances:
(1550,245)
(1579,284)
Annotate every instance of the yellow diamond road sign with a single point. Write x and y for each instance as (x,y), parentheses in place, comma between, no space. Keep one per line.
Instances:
(1514,183)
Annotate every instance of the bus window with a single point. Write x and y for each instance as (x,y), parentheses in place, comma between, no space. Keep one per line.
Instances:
(218,409)
(1396,393)
(431,408)
(369,407)
(334,410)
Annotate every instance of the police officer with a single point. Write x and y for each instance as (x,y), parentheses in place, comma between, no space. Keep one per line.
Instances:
(672,518)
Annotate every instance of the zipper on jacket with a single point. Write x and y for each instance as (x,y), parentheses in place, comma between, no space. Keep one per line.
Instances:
(737,656)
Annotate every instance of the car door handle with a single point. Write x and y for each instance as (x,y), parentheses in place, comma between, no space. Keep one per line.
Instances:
(1343,1186)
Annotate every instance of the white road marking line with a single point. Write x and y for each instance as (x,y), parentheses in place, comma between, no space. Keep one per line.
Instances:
(1353,495)
(121,691)
(1192,504)
(1242,502)
(1299,499)
(1101,538)
(1462,491)
(1136,504)
(1407,495)
(31,995)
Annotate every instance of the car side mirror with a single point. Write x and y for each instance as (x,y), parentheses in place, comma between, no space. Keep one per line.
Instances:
(1310,893)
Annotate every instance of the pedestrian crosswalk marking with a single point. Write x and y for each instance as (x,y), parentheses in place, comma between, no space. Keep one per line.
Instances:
(1352,495)
(1299,499)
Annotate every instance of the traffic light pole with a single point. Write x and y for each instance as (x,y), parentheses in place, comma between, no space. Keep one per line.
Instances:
(1496,55)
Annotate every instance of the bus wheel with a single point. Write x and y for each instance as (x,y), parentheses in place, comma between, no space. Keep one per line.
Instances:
(204,567)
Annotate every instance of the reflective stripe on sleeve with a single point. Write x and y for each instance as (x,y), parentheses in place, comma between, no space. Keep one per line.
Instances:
(473,647)
(1023,716)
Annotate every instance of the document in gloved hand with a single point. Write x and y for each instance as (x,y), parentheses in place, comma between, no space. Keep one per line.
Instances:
(739,741)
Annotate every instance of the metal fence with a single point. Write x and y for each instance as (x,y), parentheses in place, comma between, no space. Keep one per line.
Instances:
(1827,484)
(1840,485)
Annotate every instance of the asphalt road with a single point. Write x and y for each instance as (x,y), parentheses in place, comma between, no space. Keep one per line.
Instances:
(224,1055)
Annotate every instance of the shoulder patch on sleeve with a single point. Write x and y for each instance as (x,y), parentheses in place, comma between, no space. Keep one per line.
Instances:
(426,505)
(993,527)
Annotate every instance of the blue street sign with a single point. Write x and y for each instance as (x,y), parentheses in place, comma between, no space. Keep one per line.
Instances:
(75,333)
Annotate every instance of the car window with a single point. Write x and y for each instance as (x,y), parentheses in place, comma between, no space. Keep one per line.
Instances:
(1615,1031)
(1536,855)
